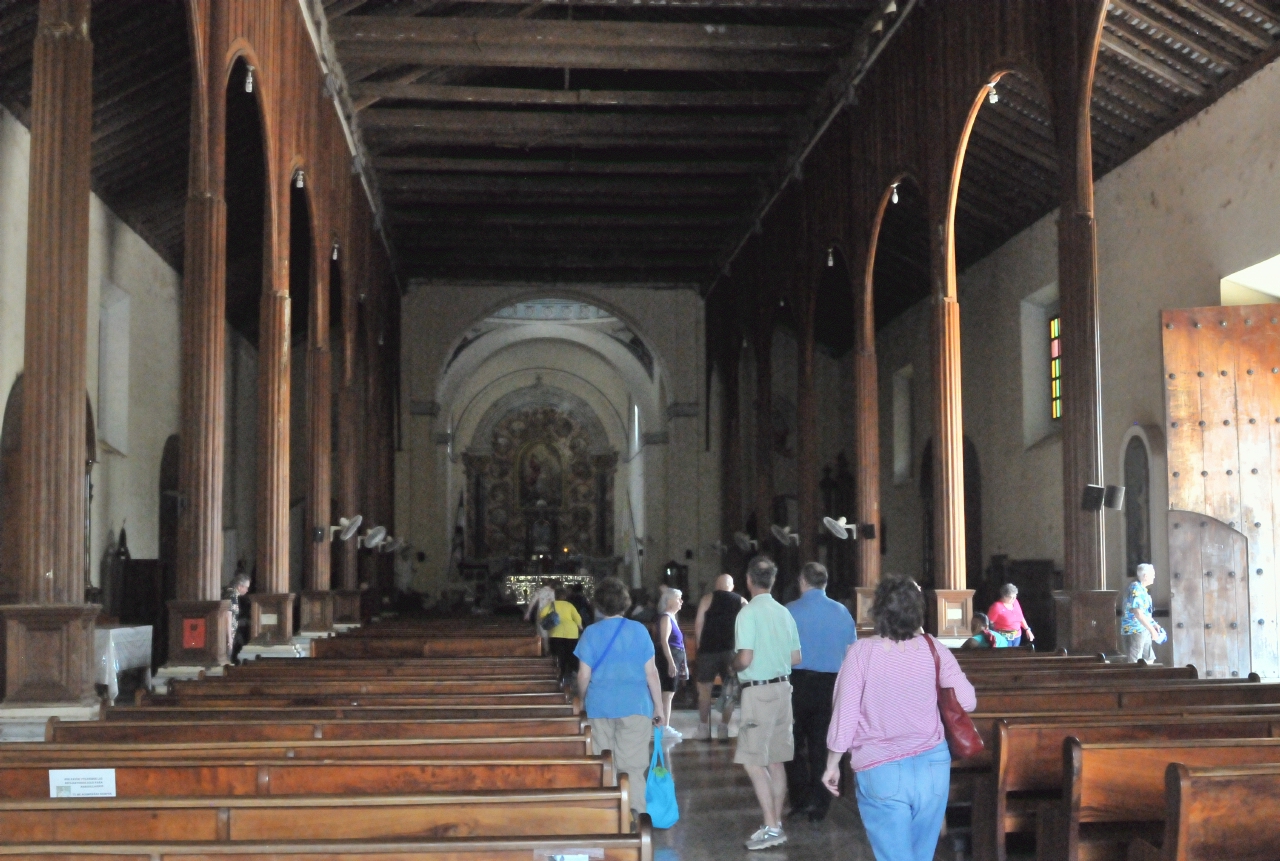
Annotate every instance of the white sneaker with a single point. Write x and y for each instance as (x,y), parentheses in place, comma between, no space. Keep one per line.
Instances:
(704,732)
(671,732)
(766,837)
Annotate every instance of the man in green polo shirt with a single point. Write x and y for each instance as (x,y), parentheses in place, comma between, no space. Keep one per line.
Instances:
(768,646)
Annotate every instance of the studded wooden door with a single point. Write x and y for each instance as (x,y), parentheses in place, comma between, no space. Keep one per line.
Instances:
(1222,416)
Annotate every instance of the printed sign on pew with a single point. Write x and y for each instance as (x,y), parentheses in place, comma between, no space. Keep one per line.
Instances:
(82,783)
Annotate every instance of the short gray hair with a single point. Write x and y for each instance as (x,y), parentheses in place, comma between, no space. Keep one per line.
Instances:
(1008,590)
(761,571)
(669,598)
(1145,568)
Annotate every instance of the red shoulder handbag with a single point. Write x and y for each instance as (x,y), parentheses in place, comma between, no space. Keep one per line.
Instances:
(962,736)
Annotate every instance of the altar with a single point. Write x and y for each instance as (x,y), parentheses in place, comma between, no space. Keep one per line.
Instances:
(520,587)
(117,648)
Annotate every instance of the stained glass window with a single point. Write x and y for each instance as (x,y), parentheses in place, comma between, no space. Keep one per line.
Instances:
(1055,367)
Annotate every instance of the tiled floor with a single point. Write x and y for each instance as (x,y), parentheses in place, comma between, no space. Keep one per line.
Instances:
(718,811)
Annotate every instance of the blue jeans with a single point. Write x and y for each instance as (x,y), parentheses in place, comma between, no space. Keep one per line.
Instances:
(902,804)
(1014,642)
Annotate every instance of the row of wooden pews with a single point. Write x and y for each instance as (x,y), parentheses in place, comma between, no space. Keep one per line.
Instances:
(435,743)
(1106,762)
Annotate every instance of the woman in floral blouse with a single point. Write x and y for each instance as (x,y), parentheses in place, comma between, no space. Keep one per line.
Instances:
(1137,629)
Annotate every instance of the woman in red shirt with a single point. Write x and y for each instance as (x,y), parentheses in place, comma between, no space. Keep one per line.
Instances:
(1007,619)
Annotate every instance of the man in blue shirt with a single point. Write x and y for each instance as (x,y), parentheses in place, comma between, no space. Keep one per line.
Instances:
(826,633)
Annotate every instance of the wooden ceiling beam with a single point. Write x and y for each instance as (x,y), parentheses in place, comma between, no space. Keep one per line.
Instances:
(1117,80)
(490,220)
(366,94)
(415,121)
(1157,42)
(1238,30)
(708,167)
(996,130)
(1179,29)
(585,44)
(484,186)
(1114,45)
(338,8)
(573,258)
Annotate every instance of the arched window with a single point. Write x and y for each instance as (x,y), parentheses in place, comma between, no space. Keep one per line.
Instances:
(1137,504)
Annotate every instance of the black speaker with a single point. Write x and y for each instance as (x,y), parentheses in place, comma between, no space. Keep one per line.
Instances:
(1114,498)
(1093,496)
(867,531)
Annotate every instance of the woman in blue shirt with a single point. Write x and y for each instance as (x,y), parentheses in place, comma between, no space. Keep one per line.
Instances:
(618,680)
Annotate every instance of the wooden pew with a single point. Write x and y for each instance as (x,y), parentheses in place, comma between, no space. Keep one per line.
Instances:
(352,687)
(454,748)
(1204,821)
(185,714)
(427,647)
(1126,696)
(202,778)
(237,820)
(1027,762)
(195,699)
(288,728)
(447,668)
(1112,793)
(633,847)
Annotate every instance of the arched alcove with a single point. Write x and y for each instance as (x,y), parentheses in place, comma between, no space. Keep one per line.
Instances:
(245,190)
(301,255)
(1136,469)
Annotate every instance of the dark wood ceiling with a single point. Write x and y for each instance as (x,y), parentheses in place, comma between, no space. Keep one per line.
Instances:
(1160,63)
(597,141)
(141,107)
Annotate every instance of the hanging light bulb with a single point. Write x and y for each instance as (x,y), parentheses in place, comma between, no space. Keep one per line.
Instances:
(992,95)
(248,80)
(299,181)
(891,9)
(894,196)
(877,27)
(831,257)
(335,251)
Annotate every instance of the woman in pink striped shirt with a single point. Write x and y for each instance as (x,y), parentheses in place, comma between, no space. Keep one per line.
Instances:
(886,716)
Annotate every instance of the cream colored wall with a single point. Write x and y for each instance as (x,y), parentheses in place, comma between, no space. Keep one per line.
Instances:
(681,477)
(1198,204)
(126,488)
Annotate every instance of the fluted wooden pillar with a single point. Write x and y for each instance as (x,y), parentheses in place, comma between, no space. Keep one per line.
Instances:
(866,397)
(808,503)
(272,619)
(49,637)
(197,620)
(317,602)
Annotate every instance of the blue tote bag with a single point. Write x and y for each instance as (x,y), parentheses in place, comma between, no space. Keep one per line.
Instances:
(660,790)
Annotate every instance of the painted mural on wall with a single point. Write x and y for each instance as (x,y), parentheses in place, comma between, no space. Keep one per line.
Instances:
(540,479)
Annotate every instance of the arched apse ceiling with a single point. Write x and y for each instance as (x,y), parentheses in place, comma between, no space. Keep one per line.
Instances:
(600,342)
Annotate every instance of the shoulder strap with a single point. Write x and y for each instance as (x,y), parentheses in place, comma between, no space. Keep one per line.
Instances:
(605,653)
(937,664)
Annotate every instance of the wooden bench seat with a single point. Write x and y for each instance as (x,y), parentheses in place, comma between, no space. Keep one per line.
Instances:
(216,699)
(1027,763)
(1213,813)
(427,647)
(633,847)
(281,687)
(1112,793)
(456,748)
(1204,692)
(1017,677)
(457,668)
(237,820)
(285,727)
(381,712)
(200,778)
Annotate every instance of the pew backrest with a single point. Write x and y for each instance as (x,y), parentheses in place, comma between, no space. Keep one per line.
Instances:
(287,728)
(1222,812)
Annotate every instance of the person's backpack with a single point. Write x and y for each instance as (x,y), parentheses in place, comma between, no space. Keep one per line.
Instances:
(551,620)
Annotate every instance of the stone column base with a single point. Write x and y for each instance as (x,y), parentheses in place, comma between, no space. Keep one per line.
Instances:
(864,597)
(49,654)
(271,623)
(316,612)
(1085,622)
(253,651)
(29,723)
(948,611)
(346,607)
(198,633)
(169,672)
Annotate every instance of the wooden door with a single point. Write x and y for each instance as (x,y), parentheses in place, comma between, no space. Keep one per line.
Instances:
(1209,595)
(1222,416)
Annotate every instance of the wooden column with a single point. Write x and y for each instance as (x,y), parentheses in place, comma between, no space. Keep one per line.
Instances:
(316,606)
(272,617)
(197,630)
(347,597)
(807,499)
(731,465)
(49,637)
(1085,610)
(762,341)
(866,397)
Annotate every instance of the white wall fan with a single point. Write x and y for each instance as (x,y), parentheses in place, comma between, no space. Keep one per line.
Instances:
(346,528)
(785,536)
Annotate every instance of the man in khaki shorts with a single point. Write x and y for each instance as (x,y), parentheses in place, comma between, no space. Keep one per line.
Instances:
(768,646)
